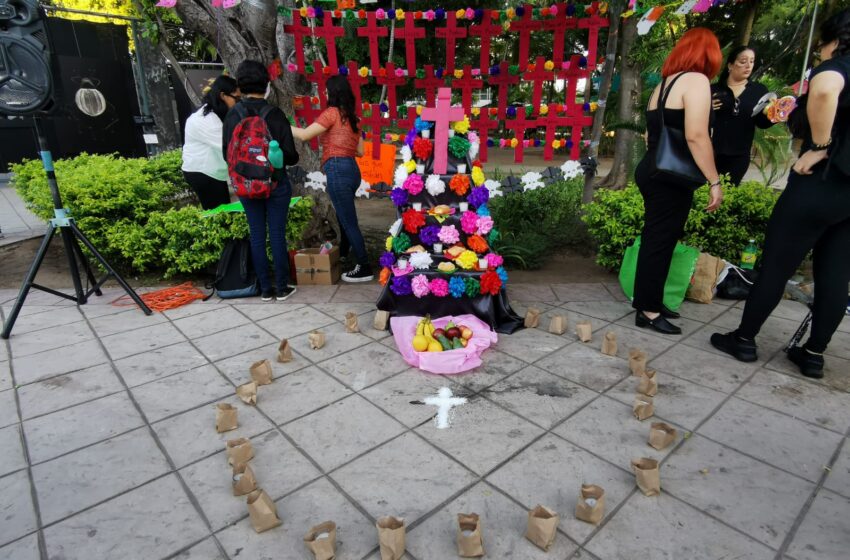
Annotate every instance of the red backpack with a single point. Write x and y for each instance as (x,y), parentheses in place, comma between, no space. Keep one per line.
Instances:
(248,155)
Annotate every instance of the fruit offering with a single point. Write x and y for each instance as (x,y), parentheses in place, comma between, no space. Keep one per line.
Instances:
(431,339)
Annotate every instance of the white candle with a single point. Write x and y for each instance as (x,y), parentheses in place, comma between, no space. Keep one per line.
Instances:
(322,536)
(420,168)
(591,502)
(417,206)
(438,247)
(402,264)
(464,206)
(426,134)
(482,263)
(461,168)
(451,133)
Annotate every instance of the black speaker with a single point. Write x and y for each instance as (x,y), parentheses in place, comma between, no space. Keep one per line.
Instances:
(26,83)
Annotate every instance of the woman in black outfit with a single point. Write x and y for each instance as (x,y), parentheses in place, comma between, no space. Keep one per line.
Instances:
(685,95)
(812,213)
(734,97)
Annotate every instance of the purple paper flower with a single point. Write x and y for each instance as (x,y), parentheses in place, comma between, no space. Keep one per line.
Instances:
(479,196)
(399,197)
(387,259)
(411,136)
(401,286)
(429,235)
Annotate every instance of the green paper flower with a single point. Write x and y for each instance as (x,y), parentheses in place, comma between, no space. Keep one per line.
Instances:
(402,110)
(420,73)
(473,287)
(401,243)
(350,15)
(513,69)
(493,236)
(459,147)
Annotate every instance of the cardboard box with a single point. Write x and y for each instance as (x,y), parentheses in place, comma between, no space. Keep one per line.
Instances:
(313,268)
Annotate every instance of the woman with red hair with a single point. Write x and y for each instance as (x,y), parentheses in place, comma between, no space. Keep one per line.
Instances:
(684,96)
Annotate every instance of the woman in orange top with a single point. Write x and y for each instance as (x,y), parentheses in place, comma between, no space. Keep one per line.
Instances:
(339,136)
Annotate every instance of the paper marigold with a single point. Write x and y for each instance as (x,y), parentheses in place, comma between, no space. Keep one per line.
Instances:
(490,283)
(412,220)
(461,127)
(459,184)
(477,244)
(467,260)
(422,148)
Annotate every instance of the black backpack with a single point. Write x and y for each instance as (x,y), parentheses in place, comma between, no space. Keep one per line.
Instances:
(235,276)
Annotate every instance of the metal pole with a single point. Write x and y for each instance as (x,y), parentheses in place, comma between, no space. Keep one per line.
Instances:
(808,49)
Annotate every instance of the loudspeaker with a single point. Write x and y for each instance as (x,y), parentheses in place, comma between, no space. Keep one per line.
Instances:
(26,82)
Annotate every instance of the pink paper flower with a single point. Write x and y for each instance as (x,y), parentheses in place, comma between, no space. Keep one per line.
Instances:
(476,71)
(439,287)
(485,224)
(553,10)
(414,184)
(449,235)
(421,286)
(311,12)
(380,13)
(291,67)
(429,15)
(469,222)
(470,13)
(400,72)
(472,137)
(494,260)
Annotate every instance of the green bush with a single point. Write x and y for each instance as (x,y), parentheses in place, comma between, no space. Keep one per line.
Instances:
(615,219)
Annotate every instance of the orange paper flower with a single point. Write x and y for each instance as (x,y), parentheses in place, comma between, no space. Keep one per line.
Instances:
(385,276)
(477,244)
(459,184)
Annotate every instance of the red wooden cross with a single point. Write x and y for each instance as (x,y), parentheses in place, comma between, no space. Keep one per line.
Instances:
(429,83)
(329,33)
(558,25)
(551,122)
(466,84)
(442,114)
(486,30)
(376,122)
(572,75)
(391,81)
(308,114)
(503,79)
(519,125)
(525,26)
(577,123)
(593,24)
(407,122)
(410,33)
(483,125)
(451,33)
(298,32)
(320,79)
(356,80)
(373,31)
(538,76)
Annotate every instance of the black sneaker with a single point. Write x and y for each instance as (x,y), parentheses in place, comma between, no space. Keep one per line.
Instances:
(659,324)
(267,296)
(811,365)
(741,349)
(360,273)
(283,294)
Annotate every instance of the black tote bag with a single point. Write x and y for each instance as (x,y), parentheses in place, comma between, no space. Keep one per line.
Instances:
(673,160)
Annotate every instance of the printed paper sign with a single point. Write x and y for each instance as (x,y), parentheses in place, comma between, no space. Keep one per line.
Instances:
(375,171)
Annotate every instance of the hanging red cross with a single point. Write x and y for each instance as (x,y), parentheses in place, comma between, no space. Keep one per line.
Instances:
(552,123)
(558,25)
(329,33)
(519,125)
(373,31)
(429,83)
(572,75)
(592,24)
(391,81)
(442,114)
(486,30)
(525,25)
(410,33)
(319,78)
(376,122)
(451,33)
(483,125)
(503,80)
(466,84)
(356,81)
(577,123)
(308,115)
(538,76)
(298,32)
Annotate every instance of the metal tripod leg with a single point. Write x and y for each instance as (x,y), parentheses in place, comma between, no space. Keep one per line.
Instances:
(28,281)
(87,267)
(68,241)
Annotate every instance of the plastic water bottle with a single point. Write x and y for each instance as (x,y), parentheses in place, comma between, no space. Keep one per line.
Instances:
(749,255)
(275,155)
(326,248)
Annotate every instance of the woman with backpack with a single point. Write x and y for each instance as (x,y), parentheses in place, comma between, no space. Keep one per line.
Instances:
(339,136)
(265,192)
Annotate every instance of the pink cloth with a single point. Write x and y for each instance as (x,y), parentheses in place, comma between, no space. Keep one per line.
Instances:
(449,361)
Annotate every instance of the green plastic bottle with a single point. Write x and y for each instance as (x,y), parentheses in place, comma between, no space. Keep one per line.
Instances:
(275,155)
(749,255)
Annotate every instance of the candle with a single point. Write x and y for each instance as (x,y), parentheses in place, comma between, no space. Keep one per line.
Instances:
(461,168)
(420,168)
(451,133)
(438,247)
(417,206)
(482,263)
(402,264)
(464,206)
(426,134)
(322,536)
(591,502)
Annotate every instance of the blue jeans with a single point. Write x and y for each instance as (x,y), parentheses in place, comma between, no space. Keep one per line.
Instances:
(343,181)
(271,211)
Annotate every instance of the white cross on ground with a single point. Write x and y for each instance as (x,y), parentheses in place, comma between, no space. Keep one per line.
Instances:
(444,401)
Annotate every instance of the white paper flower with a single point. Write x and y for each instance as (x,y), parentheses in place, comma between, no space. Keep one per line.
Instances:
(400,176)
(571,169)
(363,189)
(420,261)
(396,227)
(406,154)
(531,181)
(473,149)
(495,187)
(435,185)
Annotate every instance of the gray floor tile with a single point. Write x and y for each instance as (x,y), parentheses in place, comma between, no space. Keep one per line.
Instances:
(337,342)
(530,292)
(22,549)
(405,477)
(129,320)
(539,396)
(93,311)
(481,435)
(663,528)
(12,458)
(63,336)
(54,434)
(235,341)
(8,409)
(16,505)
(839,346)
(835,370)
(277,465)
(782,441)
(159,363)
(211,322)
(299,393)
(825,532)
(757,499)
(67,390)
(341,431)
(312,505)
(495,366)
(181,392)
(775,327)
(141,340)
(582,292)
(616,291)
(608,311)
(838,479)
(366,321)
(205,550)
(81,479)
(587,366)
(260,312)
(338,310)
(313,294)
(551,472)
(359,293)
(688,326)
(788,309)
(702,312)
(5,375)
(717,372)
(503,525)
(61,360)
(365,365)
(701,339)
(400,395)
(152,521)
(238,368)
(530,345)
(37,321)
(194,308)
(298,321)
(628,338)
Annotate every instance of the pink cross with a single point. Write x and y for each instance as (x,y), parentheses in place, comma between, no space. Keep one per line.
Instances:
(373,31)
(558,25)
(329,33)
(376,122)
(483,125)
(538,76)
(451,33)
(525,26)
(356,81)
(519,125)
(298,32)
(410,33)
(486,30)
(503,79)
(391,81)
(466,84)
(593,24)
(429,83)
(442,114)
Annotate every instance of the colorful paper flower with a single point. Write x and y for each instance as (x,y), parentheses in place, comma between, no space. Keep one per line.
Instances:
(388,244)
(483,211)
(414,184)
(422,148)
(399,197)
(410,137)
(430,15)
(429,235)
(458,73)
(387,259)
(400,176)
(571,169)
(490,283)
(493,236)
(412,220)
(422,125)
(485,225)
(467,260)
(420,286)
(457,287)
(494,260)
(385,276)
(459,184)
(406,154)
(479,196)
(400,286)
(410,166)
(477,176)
(473,287)
(421,260)
(461,127)
(477,244)
(469,222)
(401,243)
(364,72)
(435,185)
(399,14)
(458,147)
(439,287)
(503,274)
(449,235)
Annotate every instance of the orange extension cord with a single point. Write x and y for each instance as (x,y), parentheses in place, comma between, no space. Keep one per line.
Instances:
(166,298)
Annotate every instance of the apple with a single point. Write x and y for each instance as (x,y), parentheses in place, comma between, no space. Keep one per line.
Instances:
(466,333)
(453,333)
(438,332)
(464,341)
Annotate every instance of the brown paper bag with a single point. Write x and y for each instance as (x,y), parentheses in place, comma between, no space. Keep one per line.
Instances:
(317,339)
(648,383)
(225,418)
(609,344)
(591,504)
(391,535)
(643,407)
(382,319)
(637,361)
(661,435)
(238,450)
(532,318)
(261,372)
(284,352)
(262,511)
(558,324)
(351,325)
(584,331)
(542,527)
(247,392)
(470,543)
(244,481)
(321,540)
(704,280)
(647,476)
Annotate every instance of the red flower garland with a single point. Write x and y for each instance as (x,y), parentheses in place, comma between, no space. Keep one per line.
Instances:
(422,148)
(477,244)
(412,221)
(459,184)
(491,283)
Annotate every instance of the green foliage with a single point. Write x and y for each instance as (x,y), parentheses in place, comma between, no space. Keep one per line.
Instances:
(615,219)
(771,149)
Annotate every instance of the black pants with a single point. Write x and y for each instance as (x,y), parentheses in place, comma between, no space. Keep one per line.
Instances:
(812,213)
(666,207)
(735,165)
(211,192)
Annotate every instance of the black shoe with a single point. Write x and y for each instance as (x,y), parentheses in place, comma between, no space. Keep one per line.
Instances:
(360,273)
(267,296)
(283,294)
(659,324)
(811,365)
(741,349)
(668,313)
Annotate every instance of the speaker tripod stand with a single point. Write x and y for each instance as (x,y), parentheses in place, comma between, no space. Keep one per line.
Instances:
(65,225)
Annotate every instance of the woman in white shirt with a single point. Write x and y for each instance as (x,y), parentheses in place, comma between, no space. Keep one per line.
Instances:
(203,165)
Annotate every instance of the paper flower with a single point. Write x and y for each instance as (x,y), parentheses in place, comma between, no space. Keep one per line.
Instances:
(429,15)
(413,220)
(495,187)
(422,125)
(435,185)
(401,243)
(467,260)
(387,259)
(423,148)
(485,224)
(388,244)
(395,229)
(473,287)
(399,197)
(406,154)
(494,260)
(457,287)
(490,283)
(477,244)
(458,73)
(410,137)
(503,274)
(514,142)
(449,235)
(439,287)
(469,222)
(429,235)
(483,211)
(421,261)
(493,236)
(410,166)
(474,147)
(399,14)
(414,184)
(400,286)
(459,147)
(420,286)
(385,276)
(531,181)
(364,72)
(400,176)
(479,196)
(461,127)
(459,184)
(571,169)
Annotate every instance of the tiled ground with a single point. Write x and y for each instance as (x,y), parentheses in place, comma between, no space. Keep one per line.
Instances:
(109,450)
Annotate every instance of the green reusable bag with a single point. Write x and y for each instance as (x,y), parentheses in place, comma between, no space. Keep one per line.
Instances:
(682,269)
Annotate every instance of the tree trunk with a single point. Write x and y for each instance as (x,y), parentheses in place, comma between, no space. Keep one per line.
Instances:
(745,28)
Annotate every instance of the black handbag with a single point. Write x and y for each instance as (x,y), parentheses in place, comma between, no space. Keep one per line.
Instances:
(673,160)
